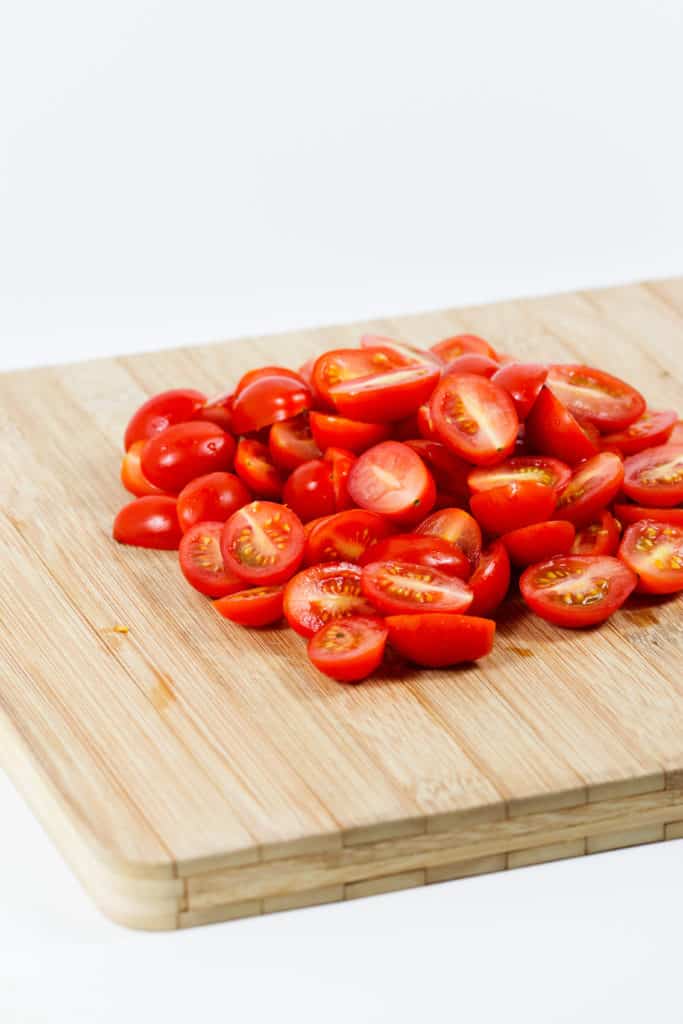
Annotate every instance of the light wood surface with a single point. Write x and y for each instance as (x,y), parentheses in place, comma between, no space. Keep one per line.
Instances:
(193,772)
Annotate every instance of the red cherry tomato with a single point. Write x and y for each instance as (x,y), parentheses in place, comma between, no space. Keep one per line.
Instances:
(450,472)
(538,542)
(513,506)
(652,429)
(425,424)
(254,466)
(211,498)
(491,580)
(433,552)
(291,443)
(655,552)
(474,418)
(218,410)
(472,362)
(343,365)
(392,480)
(309,490)
(258,606)
(552,430)
(600,537)
(132,477)
(458,527)
(523,382)
(461,344)
(655,477)
(150,522)
(577,590)
(676,436)
(341,462)
(400,350)
(629,514)
(263,543)
(201,561)
(540,469)
(440,639)
(385,396)
(182,452)
(595,396)
(594,485)
(265,372)
(396,587)
(269,399)
(344,537)
(338,432)
(324,592)
(349,650)
(162,411)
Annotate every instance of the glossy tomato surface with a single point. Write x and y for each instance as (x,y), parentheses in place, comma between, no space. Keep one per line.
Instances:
(345,537)
(655,477)
(538,542)
(149,522)
(263,543)
(474,362)
(628,514)
(461,344)
(577,590)
(291,443)
(332,431)
(181,452)
(450,472)
(395,587)
(589,394)
(396,349)
(513,506)
(599,537)
(433,552)
(343,365)
(309,490)
(258,606)
(322,593)
(349,649)
(490,581)
(551,429)
(475,418)
(263,372)
(201,561)
(255,467)
(540,469)
(523,383)
(218,410)
(392,480)
(655,552)
(211,498)
(132,477)
(386,396)
(594,485)
(440,639)
(652,429)
(458,527)
(269,399)
(161,411)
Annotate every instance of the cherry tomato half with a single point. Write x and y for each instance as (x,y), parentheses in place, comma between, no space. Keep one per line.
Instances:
(211,498)
(341,462)
(350,649)
(460,344)
(392,480)
(458,527)
(309,490)
(269,399)
(322,593)
(218,410)
(599,537)
(291,443)
(425,424)
(629,514)
(538,542)
(132,477)
(474,418)
(433,552)
(513,506)
(577,590)
(652,429)
(400,349)
(330,431)
(440,639)
(258,606)
(385,396)
(541,469)
(255,468)
(450,472)
(655,477)
(523,383)
(264,372)
(655,552)
(344,537)
(594,485)
(149,522)
(343,365)
(201,561)
(181,452)
(161,411)
(552,430)
(396,587)
(491,580)
(263,543)
(676,436)
(595,396)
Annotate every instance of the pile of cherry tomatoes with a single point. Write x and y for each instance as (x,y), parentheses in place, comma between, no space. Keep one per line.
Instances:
(386,494)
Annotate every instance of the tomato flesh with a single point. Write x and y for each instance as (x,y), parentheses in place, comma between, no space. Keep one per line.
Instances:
(317,595)
(652,429)
(594,485)
(458,527)
(551,429)
(490,581)
(291,443)
(345,537)
(255,468)
(343,365)
(595,396)
(349,649)
(540,469)
(655,477)
(391,480)
(441,639)
(523,383)
(263,543)
(181,452)
(475,418)
(132,477)
(400,350)
(450,473)
(341,462)
(538,542)
(258,606)
(513,506)
(211,498)
(473,362)
(149,522)
(599,537)
(394,587)
(654,551)
(201,561)
(432,552)
(161,411)
(386,396)
(460,344)
(577,590)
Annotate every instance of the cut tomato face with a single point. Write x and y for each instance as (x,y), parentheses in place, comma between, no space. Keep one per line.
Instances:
(629,514)
(538,542)
(309,490)
(258,606)
(264,372)
(343,365)
(218,410)
(322,593)
(392,480)
(655,477)
(181,452)
(211,498)
(201,561)
(425,424)
(440,639)
(474,418)
(599,537)
(395,587)
(513,506)
(162,411)
(552,430)
(255,468)
(396,350)
(341,462)
(345,537)
(651,430)
(491,580)
(291,443)
(263,543)
(132,477)
(385,396)
(594,485)
(655,552)
(458,527)
(350,649)
(523,383)
(432,552)
(540,469)
(577,590)
(149,522)
(450,472)
(599,398)
(473,362)
(269,399)
(330,431)
(461,344)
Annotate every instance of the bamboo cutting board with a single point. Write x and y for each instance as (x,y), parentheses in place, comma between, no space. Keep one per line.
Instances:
(193,772)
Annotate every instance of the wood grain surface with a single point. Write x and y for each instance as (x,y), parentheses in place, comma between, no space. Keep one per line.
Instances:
(192,772)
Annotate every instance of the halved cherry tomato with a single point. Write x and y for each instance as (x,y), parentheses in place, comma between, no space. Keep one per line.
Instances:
(595,396)
(263,543)
(513,506)
(330,431)
(474,418)
(652,429)
(309,526)
(491,580)
(552,430)
(254,466)
(263,372)
(343,365)
(629,514)
(523,382)
(458,527)
(594,485)
(425,424)
(258,606)
(392,480)
(269,399)
(396,587)
(291,443)
(322,593)
(655,552)
(385,396)
(349,650)
(309,490)
(450,472)
(149,522)
(201,561)
(542,469)
(161,411)
(460,344)
(440,639)
(344,537)
(538,542)
(399,349)
(655,477)
(577,590)
(132,477)
(211,498)
(181,452)
(433,552)
(341,461)
(218,410)
(676,436)
(600,537)
(473,362)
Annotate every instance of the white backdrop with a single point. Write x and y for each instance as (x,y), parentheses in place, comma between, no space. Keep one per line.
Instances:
(175,172)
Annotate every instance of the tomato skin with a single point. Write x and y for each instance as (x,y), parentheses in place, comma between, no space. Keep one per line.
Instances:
(651,430)
(255,468)
(315,596)
(265,373)
(552,430)
(211,498)
(396,587)
(432,552)
(332,431)
(425,424)
(181,452)
(513,506)
(473,362)
(654,551)
(161,411)
(149,522)
(629,514)
(538,542)
(201,561)
(491,580)
(474,418)
(461,344)
(523,382)
(263,543)
(218,410)
(349,650)
(258,606)
(594,485)
(601,399)
(309,490)
(386,396)
(458,527)
(132,477)
(268,399)
(539,468)
(341,462)
(599,537)
(400,350)
(655,477)
(393,481)
(291,443)
(343,365)
(599,586)
(440,639)
(344,537)
(450,472)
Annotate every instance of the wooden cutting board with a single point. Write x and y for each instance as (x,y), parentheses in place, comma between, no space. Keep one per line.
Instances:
(193,772)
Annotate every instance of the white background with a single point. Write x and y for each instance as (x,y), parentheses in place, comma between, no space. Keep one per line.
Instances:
(177,172)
